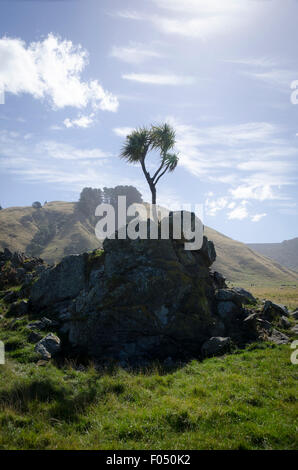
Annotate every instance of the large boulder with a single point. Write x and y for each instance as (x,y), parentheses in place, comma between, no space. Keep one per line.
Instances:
(138,300)
(152,299)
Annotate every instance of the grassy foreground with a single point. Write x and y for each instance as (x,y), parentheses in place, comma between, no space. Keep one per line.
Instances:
(245,400)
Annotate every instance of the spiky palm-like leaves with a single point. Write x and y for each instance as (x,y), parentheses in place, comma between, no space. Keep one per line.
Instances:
(136,145)
(141,141)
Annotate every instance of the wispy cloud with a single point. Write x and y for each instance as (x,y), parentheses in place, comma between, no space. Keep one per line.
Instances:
(58,163)
(252,158)
(258,217)
(135,53)
(62,151)
(51,69)
(266,70)
(130,15)
(254,61)
(280,78)
(201,6)
(196,18)
(159,79)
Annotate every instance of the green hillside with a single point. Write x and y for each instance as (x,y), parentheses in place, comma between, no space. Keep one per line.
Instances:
(58,229)
(51,232)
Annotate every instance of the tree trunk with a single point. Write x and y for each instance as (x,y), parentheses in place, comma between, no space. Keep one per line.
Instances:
(153,191)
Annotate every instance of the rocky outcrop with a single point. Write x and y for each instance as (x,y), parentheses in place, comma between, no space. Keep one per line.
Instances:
(18,269)
(139,300)
(136,301)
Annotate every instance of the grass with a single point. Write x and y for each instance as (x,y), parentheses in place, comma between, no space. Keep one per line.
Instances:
(246,400)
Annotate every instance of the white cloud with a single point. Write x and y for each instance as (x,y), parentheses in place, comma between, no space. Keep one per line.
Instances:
(122,131)
(135,53)
(239,213)
(82,121)
(260,193)
(216,205)
(258,217)
(51,69)
(159,79)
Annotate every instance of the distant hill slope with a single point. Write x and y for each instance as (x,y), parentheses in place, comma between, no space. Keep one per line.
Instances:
(58,229)
(238,263)
(285,253)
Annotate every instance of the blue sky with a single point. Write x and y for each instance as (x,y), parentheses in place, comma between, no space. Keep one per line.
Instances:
(78,75)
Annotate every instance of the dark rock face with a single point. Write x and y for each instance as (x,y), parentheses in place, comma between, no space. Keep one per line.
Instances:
(61,282)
